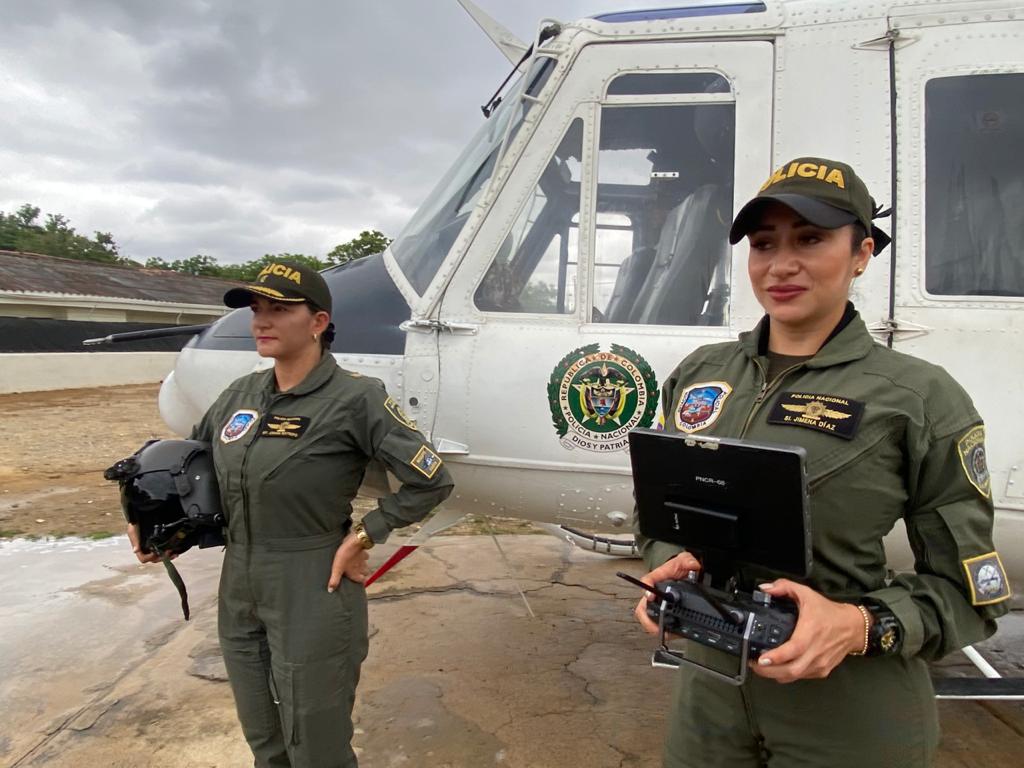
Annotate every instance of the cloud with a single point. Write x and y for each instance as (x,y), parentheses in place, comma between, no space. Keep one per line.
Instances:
(241,127)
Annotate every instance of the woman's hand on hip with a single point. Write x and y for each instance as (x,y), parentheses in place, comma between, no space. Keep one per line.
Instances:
(350,561)
(675,569)
(826,633)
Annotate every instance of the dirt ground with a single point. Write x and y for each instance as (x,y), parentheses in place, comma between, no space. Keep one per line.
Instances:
(54,449)
(55,446)
(461,673)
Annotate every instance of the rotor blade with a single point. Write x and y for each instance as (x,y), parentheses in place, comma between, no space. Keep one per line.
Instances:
(511,46)
(152,333)
(400,554)
(441,519)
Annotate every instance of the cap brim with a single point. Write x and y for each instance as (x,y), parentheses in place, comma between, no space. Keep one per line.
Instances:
(242,297)
(816,212)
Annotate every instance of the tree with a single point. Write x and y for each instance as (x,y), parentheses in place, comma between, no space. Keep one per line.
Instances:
(368,243)
(249,271)
(20,231)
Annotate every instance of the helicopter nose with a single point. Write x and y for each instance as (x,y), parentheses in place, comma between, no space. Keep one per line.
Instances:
(368,309)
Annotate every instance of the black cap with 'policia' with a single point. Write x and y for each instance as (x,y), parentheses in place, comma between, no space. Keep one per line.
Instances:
(826,193)
(286,281)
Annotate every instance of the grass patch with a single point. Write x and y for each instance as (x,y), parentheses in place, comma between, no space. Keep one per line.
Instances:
(99,535)
(11,533)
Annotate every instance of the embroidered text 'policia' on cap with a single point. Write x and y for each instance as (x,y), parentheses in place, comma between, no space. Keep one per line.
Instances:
(286,281)
(827,193)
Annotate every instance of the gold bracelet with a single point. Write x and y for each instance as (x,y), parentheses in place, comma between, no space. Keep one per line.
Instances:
(867,631)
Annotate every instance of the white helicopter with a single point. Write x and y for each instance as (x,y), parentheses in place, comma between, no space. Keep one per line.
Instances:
(584,229)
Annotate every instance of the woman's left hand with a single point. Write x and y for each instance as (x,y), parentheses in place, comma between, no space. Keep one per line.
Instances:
(350,561)
(826,633)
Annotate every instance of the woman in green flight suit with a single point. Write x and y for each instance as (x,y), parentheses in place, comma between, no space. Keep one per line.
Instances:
(888,438)
(290,447)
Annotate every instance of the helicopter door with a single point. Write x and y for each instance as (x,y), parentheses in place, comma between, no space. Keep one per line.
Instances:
(602,262)
(960,244)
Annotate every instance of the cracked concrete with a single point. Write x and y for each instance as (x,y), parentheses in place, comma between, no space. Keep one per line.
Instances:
(459,673)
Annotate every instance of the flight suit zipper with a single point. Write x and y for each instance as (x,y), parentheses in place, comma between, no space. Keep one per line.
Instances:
(766,389)
(245,486)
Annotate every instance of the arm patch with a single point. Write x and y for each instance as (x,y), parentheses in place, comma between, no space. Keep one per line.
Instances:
(426,462)
(987,578)
(971,448)
(396,411)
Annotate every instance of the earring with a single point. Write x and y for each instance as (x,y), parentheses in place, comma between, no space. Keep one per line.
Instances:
(315,337)
(858,272)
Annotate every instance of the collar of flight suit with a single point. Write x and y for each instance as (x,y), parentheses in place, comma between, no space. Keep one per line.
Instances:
(848,341)
(316,378)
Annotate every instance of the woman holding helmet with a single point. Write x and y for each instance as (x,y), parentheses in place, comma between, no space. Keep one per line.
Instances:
(290,446)
(898,439)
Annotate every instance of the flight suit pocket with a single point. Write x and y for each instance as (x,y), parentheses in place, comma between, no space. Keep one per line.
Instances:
(829,456)
(316,700)
(284,704)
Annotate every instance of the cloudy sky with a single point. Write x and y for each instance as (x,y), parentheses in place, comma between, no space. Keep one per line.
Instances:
(236,128)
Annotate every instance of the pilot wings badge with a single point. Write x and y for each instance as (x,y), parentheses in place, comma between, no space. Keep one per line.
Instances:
(597,397)
(833,414)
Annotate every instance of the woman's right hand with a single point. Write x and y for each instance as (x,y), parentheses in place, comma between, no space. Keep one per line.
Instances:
(133,537)
(675,569)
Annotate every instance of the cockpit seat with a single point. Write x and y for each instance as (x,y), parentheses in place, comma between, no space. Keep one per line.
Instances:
(631,275)
(693,244)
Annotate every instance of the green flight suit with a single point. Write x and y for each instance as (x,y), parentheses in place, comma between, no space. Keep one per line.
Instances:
(288,465)
(889,437)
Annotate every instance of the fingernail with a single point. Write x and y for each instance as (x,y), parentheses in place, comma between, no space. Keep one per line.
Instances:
(330,589)
(766,585)
(764,661)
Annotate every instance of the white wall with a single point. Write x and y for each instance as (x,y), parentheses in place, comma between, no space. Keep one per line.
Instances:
(38,371)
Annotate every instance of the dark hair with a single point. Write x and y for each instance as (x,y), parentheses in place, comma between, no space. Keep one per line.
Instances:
(327,337)
(858,235)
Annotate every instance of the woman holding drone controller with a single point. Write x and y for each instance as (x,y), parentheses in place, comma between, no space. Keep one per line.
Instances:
(888,437)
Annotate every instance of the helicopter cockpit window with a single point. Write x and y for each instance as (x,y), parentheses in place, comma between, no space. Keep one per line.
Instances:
(423,244)
(534,270)
(664,204)
(974,189)
(650,83)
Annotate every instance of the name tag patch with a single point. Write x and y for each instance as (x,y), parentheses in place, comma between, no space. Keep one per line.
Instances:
(835,415)
(426,462)
(987,578)
(238,425)
(285,426)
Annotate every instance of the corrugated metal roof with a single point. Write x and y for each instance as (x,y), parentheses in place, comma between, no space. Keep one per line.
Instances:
(33,272)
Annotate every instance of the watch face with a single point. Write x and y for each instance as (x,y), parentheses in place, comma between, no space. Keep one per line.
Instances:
(888,640)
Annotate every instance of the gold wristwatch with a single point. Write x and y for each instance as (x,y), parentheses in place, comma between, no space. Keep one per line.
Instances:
(362,536)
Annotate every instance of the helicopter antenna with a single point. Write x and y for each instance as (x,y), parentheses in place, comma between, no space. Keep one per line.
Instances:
(511,46)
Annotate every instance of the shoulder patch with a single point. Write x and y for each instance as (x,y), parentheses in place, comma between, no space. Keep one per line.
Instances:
(971,448)
(700,405)
(396,411)
(833,414)
(987,578)
(426,462)
(238,425)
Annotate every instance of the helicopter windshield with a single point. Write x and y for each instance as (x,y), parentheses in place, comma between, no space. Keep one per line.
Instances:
(429,235)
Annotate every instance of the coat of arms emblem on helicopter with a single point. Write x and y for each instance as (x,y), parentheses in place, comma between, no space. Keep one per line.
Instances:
(597,397)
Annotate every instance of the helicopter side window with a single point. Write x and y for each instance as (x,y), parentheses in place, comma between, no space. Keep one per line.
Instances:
(665,170)
(534,269)
(974,189)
